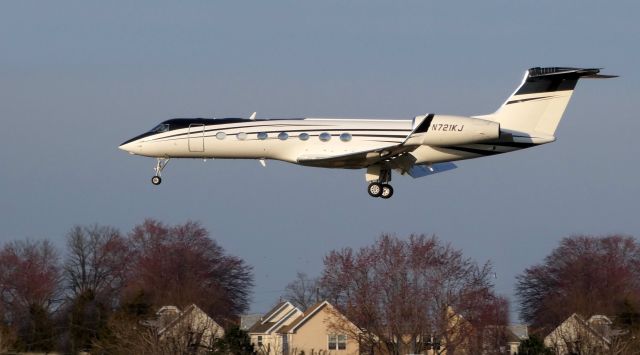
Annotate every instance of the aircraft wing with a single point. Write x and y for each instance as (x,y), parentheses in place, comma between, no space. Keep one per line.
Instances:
(395,156)
(356,160)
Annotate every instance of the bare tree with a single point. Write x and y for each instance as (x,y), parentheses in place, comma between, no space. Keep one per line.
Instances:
(304,291)
(407,294)
(585,275)
(97,262)
(30,274)
(95,271)
(181,264)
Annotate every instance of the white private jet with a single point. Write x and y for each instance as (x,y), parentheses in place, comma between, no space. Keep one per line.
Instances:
(424,145)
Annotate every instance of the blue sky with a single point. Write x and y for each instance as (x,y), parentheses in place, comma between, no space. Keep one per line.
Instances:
(79,78)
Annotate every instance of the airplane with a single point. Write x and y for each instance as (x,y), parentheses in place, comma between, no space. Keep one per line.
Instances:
(422,146)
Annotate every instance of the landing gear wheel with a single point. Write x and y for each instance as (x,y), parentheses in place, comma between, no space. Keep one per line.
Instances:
(387,191)
(374,189)
(162,162)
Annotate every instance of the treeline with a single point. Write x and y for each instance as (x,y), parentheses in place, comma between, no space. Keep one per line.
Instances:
(105,280)
(586,275)
(407,294)
(415,289)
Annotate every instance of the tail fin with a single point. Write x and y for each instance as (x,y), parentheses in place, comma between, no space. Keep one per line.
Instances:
(538,104)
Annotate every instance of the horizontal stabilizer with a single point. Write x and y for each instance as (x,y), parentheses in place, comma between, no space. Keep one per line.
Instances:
(577,72)
(418,171)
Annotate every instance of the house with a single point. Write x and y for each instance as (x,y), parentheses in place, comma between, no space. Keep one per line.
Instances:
(321,330)
(264,333)
(189,329)
(577,335)
(455,337)
(516,334)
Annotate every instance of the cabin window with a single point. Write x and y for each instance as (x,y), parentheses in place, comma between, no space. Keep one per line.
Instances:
(345,137)
(262,136)
(221,135)
(283,136)
(163,127)
(337,342)
(303,136)
(325,136)
(241,136)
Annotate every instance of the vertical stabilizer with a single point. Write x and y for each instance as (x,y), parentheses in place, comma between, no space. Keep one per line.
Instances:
(536,107)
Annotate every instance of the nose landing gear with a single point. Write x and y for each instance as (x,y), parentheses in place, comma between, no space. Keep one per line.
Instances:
(162,162)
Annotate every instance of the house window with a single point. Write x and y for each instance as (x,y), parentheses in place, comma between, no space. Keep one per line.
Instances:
(259,341)
(337,342)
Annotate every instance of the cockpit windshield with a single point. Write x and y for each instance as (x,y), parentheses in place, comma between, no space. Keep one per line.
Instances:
(162,127)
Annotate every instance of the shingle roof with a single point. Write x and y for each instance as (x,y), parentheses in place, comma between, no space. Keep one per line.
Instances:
(273,310)
(259,327)
(264,325)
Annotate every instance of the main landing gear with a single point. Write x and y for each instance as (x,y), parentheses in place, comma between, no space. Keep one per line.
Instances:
(162,162)
(379,187)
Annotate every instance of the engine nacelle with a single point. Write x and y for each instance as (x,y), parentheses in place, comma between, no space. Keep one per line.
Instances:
(455,130)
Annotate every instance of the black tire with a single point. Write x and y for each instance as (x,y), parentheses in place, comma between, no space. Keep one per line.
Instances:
(387,191)
(156,180)
(374,189)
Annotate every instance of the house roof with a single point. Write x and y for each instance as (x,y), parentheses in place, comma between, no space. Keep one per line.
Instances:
(582,322)
(270,322)
(308,313)
(187,312)
(521,331)
(273,311)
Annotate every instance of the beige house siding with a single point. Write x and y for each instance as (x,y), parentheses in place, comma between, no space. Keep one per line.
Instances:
(267,328)
(575,335)
(312,336)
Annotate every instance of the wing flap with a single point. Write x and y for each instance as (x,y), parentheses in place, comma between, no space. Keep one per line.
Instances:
(418,171)
(355,160)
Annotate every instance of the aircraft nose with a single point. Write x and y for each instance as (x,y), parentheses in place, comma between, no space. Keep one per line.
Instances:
(127,147)
(132,145)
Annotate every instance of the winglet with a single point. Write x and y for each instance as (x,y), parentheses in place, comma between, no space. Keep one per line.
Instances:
(253,116)
(421,124)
